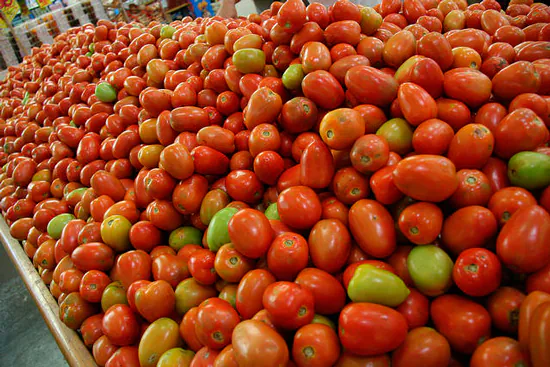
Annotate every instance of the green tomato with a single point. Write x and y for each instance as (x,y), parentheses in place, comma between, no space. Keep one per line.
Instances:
(530,170)
(374,285)
(292,77)
(184,236)
(114,294)
(115,232)
(159,337)
(271,212)
(91,48)
(25,98)
(320,319)
(176,357)
(249,60)
(218,233)
(76,193)
(167,31)
(105,92)
(398,133)
(56,225)
(431,269)
(190,293)
(229,294)
(370,20)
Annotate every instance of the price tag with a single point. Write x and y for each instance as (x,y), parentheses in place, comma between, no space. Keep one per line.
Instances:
(10,8)
(43,3)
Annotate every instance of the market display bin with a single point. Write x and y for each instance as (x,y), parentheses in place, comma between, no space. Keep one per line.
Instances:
(69,342)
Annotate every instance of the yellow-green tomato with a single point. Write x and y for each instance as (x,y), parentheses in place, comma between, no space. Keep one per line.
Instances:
(249,60)
(176,357)
(431,269)
(56,225)
(320,319)
(184,236)
(105,92)
(159,337)
(115,232)
(293,76)
(114,294)
(271,212)
(374,285)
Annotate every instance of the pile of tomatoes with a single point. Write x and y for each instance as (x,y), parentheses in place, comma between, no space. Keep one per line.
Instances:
(311,186)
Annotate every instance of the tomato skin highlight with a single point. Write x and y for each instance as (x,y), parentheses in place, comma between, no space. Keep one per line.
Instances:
(374,317)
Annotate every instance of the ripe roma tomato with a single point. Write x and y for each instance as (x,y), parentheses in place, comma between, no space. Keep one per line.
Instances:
(426,177)
(289,305)
(358,321)
(528,228)
(498,352)
(269,350)
(477,272)
(423,346)
(463,322)
(299,207)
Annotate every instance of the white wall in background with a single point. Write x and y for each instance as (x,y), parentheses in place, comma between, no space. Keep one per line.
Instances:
(246,7)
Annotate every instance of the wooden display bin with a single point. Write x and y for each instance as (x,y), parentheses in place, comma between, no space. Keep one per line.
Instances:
(69,342)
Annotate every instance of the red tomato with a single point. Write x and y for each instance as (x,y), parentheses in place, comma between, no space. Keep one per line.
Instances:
(520,130)
(329,295)
(423,346)
(323,89)
(468,227)
(503,306)
(289,305)
(372,227)
(216,320)
(411,178)
(467,85)
(471,146)
(474,188)
(477,272)
(299,207)
(360,319)
(421,223)
(269,350)
(329,245)
(415,309)
(463,322)
(528,227)
(499,351)
(120,325)
(250,292)
(505,202)
(287,255)
(201,267)
(315,345)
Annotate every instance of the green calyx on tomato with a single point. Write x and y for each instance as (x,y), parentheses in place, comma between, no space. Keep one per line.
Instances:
(431,269)
(271,212)
(184,236)
(292,77)
(218,234)
(530,170)
(374,285)
(105,92)
(56,225)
